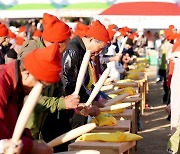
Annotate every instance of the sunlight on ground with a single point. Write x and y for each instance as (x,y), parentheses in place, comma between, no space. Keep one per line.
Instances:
(154,128)
(156,119)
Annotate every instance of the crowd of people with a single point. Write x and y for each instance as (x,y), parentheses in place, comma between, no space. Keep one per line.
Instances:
(53,56)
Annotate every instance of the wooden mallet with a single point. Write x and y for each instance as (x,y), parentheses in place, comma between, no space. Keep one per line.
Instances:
(115,107)
(25,114)
(132,99)
(98,86)
(114,91)
(71,134)
(116,99)
(107,88)
(125,84)
(82,72)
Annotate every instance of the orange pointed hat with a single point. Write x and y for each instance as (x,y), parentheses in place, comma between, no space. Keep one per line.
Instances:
(54,29)
(98,31)
(11,34)
(22,29)
(111,30)
(37,33)
(19,40)
(3,30)
(81,29)
(44,63)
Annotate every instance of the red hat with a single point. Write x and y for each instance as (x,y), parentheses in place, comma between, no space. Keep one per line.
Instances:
(98,31)
(19,41)
(111,33)
(170,35)
(171,27)
(111,30)
(112,26)
(22,29)
(133,35)
(44,63)
(54,29)
(11,34)
(123,33)
(127,29)
(3,30)
(81,29)
(37,33)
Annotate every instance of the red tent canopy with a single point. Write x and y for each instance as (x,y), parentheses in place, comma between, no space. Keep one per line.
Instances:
(143,9)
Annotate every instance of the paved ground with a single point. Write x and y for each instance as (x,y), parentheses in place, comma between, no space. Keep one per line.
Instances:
(155,126)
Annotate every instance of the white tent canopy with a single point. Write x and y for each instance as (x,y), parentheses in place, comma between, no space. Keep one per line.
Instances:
(142,14)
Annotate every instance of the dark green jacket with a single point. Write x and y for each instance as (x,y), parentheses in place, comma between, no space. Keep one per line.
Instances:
(51,99)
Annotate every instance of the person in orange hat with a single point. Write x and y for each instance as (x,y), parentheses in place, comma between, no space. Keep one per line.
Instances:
(113,57)
(170,52)
(20,38)
(173,143)
(3,33)
(17,79)
(173,82)
(36,34)
(52,100)
(94,40)
(22,33)
(8,45)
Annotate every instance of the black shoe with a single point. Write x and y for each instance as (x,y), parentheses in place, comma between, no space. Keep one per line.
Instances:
(170,151)
(158,80)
